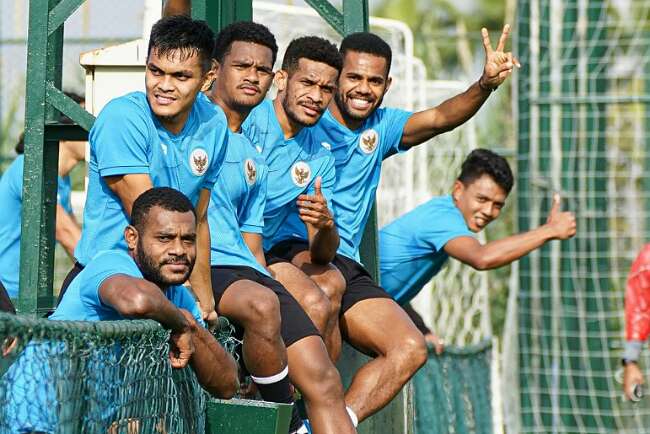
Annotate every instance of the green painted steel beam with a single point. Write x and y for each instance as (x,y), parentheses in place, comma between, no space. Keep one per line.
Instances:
(68,107)
(41,162)
(57,131)
(356,16)
(329,13)
(60,13)
(220,13)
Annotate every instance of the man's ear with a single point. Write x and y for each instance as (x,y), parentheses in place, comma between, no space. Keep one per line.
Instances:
(457,190)
(131,236)
(389,81)
(210,76)
(280,80)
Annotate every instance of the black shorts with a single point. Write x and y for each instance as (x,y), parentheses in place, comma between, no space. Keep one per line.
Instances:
(359,284)
(295,322)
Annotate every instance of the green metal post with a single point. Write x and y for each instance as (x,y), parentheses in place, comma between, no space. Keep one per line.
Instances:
(41,161)
(220,13)
(43,103)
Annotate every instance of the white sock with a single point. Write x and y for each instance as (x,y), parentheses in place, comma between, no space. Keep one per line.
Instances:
(353,416)
(273,378)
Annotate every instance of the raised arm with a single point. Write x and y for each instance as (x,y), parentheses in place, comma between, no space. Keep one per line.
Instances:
(200,279)
(177,7)
(559,225)
(455,111)
(321,230)
(133,297)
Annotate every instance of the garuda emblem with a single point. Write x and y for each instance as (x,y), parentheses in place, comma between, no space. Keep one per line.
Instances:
(301,173)
(250,171)
(199,161)
(368,141)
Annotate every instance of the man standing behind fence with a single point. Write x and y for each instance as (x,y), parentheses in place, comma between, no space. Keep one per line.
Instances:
(170,136)
(414,247)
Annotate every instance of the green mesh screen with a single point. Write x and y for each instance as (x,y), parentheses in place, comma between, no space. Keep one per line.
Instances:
(93,377)
(583,129)
(452,392)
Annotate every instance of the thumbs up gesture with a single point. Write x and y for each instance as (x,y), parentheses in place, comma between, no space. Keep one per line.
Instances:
(563,223)
(313,208)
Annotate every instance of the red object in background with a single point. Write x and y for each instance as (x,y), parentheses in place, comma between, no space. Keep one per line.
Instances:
(637,298)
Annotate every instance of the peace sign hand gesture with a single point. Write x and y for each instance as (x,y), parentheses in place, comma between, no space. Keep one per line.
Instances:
(498,63)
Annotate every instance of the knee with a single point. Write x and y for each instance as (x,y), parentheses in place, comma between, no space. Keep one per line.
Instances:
(317,305)
(411,353)
(333,285)
(263,310)
(326,383)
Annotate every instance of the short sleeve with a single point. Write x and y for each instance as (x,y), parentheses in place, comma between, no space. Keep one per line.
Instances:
(119,139)
(252,219)
(393,121)
(100,268)
(449,225)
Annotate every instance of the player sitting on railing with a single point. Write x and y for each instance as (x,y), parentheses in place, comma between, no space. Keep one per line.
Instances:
(414,247)
(144,282)
(280,342)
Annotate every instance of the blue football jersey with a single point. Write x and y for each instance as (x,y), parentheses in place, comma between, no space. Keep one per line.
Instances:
(358,155)
(11,200)
(237,204)
(127,138)
(294,164)
(411,248)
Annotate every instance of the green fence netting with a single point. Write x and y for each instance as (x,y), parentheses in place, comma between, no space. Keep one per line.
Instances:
(93,377)
(452,392)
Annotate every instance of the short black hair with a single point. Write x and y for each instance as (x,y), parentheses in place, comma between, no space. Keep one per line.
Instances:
(481,162)
(63,119)
(182,33)
(245,31)
(366,42)
(312,48)
(164,197)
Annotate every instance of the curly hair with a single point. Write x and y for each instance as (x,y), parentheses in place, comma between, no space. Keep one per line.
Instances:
(167,198)
(182,33)
(312,48)
(245,31)
(366,42)
(485,162)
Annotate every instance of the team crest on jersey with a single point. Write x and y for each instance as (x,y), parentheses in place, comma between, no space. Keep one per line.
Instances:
(301,173)
(199,161)
(368,141)
(250,171)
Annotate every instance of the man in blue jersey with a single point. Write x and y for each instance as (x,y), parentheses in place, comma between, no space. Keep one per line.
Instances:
(415,246)
(301,178)
(67,230)
(144,281)
(170,136)
(361,135)
(280,342)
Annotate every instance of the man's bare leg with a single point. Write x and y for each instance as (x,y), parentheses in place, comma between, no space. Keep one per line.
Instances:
(313,300)
(257,309)
(313,373)
(380,328)
(330,280)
